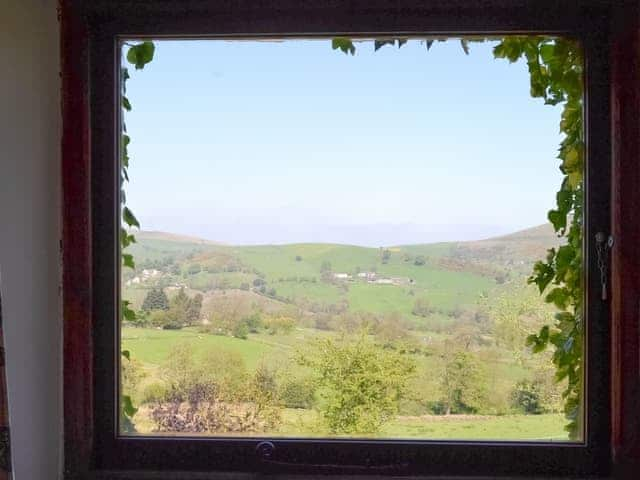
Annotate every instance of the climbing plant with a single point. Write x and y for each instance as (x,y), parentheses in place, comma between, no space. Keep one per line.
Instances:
(138,55)
(555,67)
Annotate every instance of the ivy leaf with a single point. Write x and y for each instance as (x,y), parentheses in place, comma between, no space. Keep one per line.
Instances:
(547,53)
(127,313)
(127,260)
(429,43)
(127,406)
(125,104)
(126,354)
(129,218)
(378,44)
(141,54)
(344,44)
(464,43)
(559,297)
(557,219)
(126,238)
(543,273)
(401,42)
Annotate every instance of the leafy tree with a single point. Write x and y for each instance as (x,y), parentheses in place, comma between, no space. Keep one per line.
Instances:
(391,329)
(298,258)
(526,397)
(419,260)
(386,255)
(462,382)
(193,309)
(155,299)
(360,383)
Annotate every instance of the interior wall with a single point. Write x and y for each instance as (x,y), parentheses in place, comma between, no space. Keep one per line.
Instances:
(30,232)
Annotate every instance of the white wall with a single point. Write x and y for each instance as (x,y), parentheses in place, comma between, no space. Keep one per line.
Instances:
(29,232)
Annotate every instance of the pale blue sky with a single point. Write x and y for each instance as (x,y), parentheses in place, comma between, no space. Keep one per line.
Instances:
(279,142)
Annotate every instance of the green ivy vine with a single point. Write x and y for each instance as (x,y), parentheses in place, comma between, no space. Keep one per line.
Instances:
(138,55)
(556,76)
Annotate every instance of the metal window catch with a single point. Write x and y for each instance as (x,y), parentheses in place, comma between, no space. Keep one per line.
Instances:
(603,246)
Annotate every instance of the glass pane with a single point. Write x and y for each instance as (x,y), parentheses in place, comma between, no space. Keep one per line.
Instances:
(339,238)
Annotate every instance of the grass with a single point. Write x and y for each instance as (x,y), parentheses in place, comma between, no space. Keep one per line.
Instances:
(306,423)
(547,427)
(152,346)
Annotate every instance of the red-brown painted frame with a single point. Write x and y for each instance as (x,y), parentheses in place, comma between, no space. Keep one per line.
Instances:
(77,235)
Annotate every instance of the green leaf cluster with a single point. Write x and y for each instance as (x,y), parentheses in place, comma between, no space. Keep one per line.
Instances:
(359,382)
(556,70)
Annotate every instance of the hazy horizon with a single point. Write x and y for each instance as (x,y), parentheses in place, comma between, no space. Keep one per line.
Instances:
(384,228)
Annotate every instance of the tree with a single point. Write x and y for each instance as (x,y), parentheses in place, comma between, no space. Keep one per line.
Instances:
(386,255)
(193,309)
(419,260)
(461,382)
(360,384)
(155,299)
(391,329)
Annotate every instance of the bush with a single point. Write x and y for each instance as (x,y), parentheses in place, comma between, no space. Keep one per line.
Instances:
(156,392)
(419,260)
(525,397)
(297,392)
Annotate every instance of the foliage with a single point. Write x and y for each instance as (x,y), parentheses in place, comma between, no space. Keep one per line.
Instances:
(526,397)
(214,395)
(360,383)
(279,324)
(155,299)
(462,382)
(131,374)
(297,392)
(139,55)
(556,70)
(155,392)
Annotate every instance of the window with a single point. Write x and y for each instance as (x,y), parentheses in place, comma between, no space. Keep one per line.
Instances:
(387,455)
(361,274)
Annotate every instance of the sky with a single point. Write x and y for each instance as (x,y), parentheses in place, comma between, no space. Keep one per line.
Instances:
(250,142)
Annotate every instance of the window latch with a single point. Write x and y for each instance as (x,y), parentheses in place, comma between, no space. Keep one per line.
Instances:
(603,246)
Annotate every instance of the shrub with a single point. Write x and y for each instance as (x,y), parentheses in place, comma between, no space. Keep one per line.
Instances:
(194,268)
(297,392)
(154,393)
(419,260)
(525,397)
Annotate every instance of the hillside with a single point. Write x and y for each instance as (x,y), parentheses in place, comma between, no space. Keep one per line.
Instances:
(321,278)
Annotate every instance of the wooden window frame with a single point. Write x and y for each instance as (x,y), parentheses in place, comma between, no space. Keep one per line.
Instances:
(90,31)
